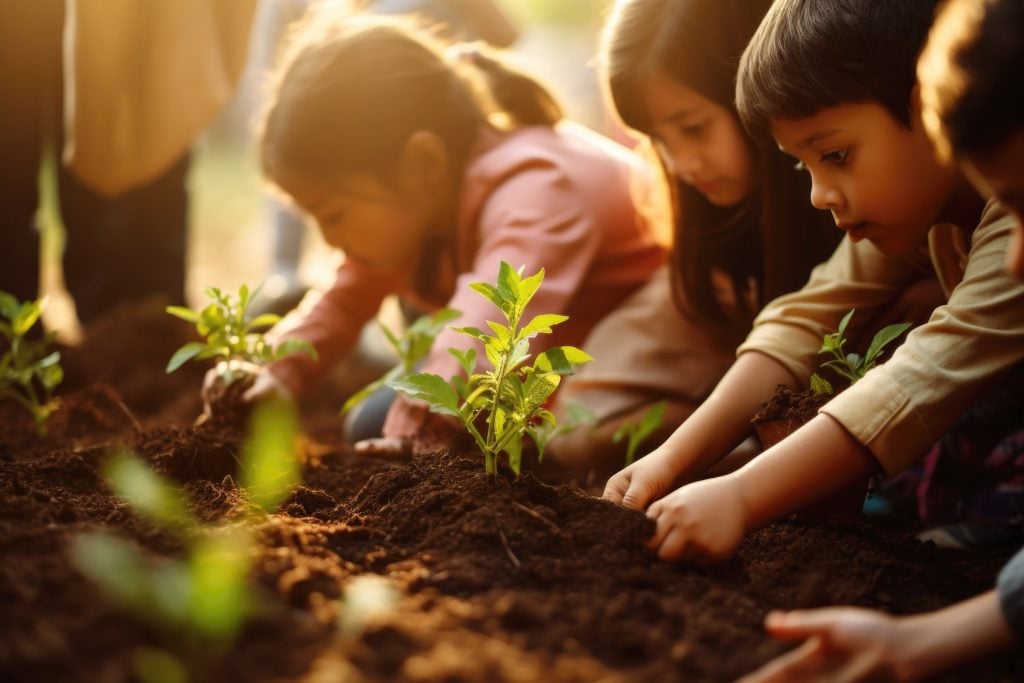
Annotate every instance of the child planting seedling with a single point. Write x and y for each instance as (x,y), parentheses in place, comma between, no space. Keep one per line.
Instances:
(233,339)
(28,372)
(509,398)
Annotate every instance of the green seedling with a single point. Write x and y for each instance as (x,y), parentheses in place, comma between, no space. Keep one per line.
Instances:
(637,431)
(198,603)
(411,348)
(229,336)
(510,397)
(29,371)
(852,366)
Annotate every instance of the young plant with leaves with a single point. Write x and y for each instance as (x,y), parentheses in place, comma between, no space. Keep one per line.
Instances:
(411,347)
(198,603)
(29,371)
(509,397)
(229,336)
(852,366)
(638,430)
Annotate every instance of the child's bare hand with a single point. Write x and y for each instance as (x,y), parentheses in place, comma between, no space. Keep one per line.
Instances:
(844,644)
(644,481)
(397,449)
(262,383)
(703,521)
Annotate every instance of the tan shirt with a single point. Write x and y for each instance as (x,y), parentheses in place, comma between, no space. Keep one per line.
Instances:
(899,409)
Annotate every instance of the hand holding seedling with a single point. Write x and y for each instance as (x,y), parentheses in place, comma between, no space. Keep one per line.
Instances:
(230,336)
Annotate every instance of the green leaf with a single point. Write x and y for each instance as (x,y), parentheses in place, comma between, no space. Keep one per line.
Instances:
(467,359)
(149,493)
(489,292)
(151,665)
(8,304)
(116,565)
(264,320)
(541,324)
(562,360)
(474,332)
(26,317)
(431,388)
(841,330)
(186,314)
(219,599)
(270,465)
(885,336)
(820,385)
(514,450)
(183,355)
(528,287)
(290,346)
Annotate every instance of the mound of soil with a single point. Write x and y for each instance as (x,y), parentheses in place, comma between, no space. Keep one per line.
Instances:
(497,579)
(794,406)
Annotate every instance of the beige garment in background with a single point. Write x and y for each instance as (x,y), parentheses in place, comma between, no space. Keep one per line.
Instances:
(646,350)
(142,79)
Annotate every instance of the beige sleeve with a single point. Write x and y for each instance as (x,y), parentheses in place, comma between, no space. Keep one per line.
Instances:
(142,79)
(856,276)
(902,407)
(645,348)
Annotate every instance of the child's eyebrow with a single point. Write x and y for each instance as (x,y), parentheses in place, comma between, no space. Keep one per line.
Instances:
(816,137)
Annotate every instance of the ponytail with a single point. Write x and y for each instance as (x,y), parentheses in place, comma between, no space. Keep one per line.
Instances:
(525,101)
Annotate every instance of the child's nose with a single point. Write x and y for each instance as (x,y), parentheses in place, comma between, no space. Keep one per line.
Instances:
(824,196)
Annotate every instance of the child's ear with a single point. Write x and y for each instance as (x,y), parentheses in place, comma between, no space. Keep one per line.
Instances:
(424,162)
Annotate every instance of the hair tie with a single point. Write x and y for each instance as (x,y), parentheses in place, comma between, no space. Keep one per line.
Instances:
(466,53)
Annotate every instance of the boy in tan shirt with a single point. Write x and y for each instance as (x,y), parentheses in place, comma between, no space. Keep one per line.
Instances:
(852,117)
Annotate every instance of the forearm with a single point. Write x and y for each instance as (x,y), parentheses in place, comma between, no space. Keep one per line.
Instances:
(961,633)
(723,420)
(817,460)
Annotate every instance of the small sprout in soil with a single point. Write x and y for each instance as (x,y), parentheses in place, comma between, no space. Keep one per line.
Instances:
(852,366)
(228,335)
(411,348)
(198,603)
(638,430)
(510,397)
(29,372)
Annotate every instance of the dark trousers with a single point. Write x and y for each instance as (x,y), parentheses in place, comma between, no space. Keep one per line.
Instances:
(126,248)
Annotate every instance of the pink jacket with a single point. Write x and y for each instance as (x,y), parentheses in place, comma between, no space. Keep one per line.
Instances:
(537,197)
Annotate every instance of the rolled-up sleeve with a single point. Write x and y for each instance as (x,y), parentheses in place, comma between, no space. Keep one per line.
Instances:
(899,409)
(856,276)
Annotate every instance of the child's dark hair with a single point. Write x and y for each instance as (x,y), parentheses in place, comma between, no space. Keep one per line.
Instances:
(971,76)
(350,90)
(810,54)
(698,43)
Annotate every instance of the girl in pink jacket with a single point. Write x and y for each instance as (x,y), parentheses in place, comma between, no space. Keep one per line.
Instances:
(427,169)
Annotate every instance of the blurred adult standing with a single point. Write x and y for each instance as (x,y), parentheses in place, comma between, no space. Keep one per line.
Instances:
(119,89)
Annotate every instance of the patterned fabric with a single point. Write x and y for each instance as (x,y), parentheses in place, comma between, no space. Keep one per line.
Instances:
(976,471)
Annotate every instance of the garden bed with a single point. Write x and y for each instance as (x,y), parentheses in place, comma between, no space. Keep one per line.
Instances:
(499,580)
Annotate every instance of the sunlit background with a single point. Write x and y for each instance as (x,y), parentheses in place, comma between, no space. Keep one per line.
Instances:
(230,230)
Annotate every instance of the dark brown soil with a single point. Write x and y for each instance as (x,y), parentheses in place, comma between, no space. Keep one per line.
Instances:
(499,580)
(786,404)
